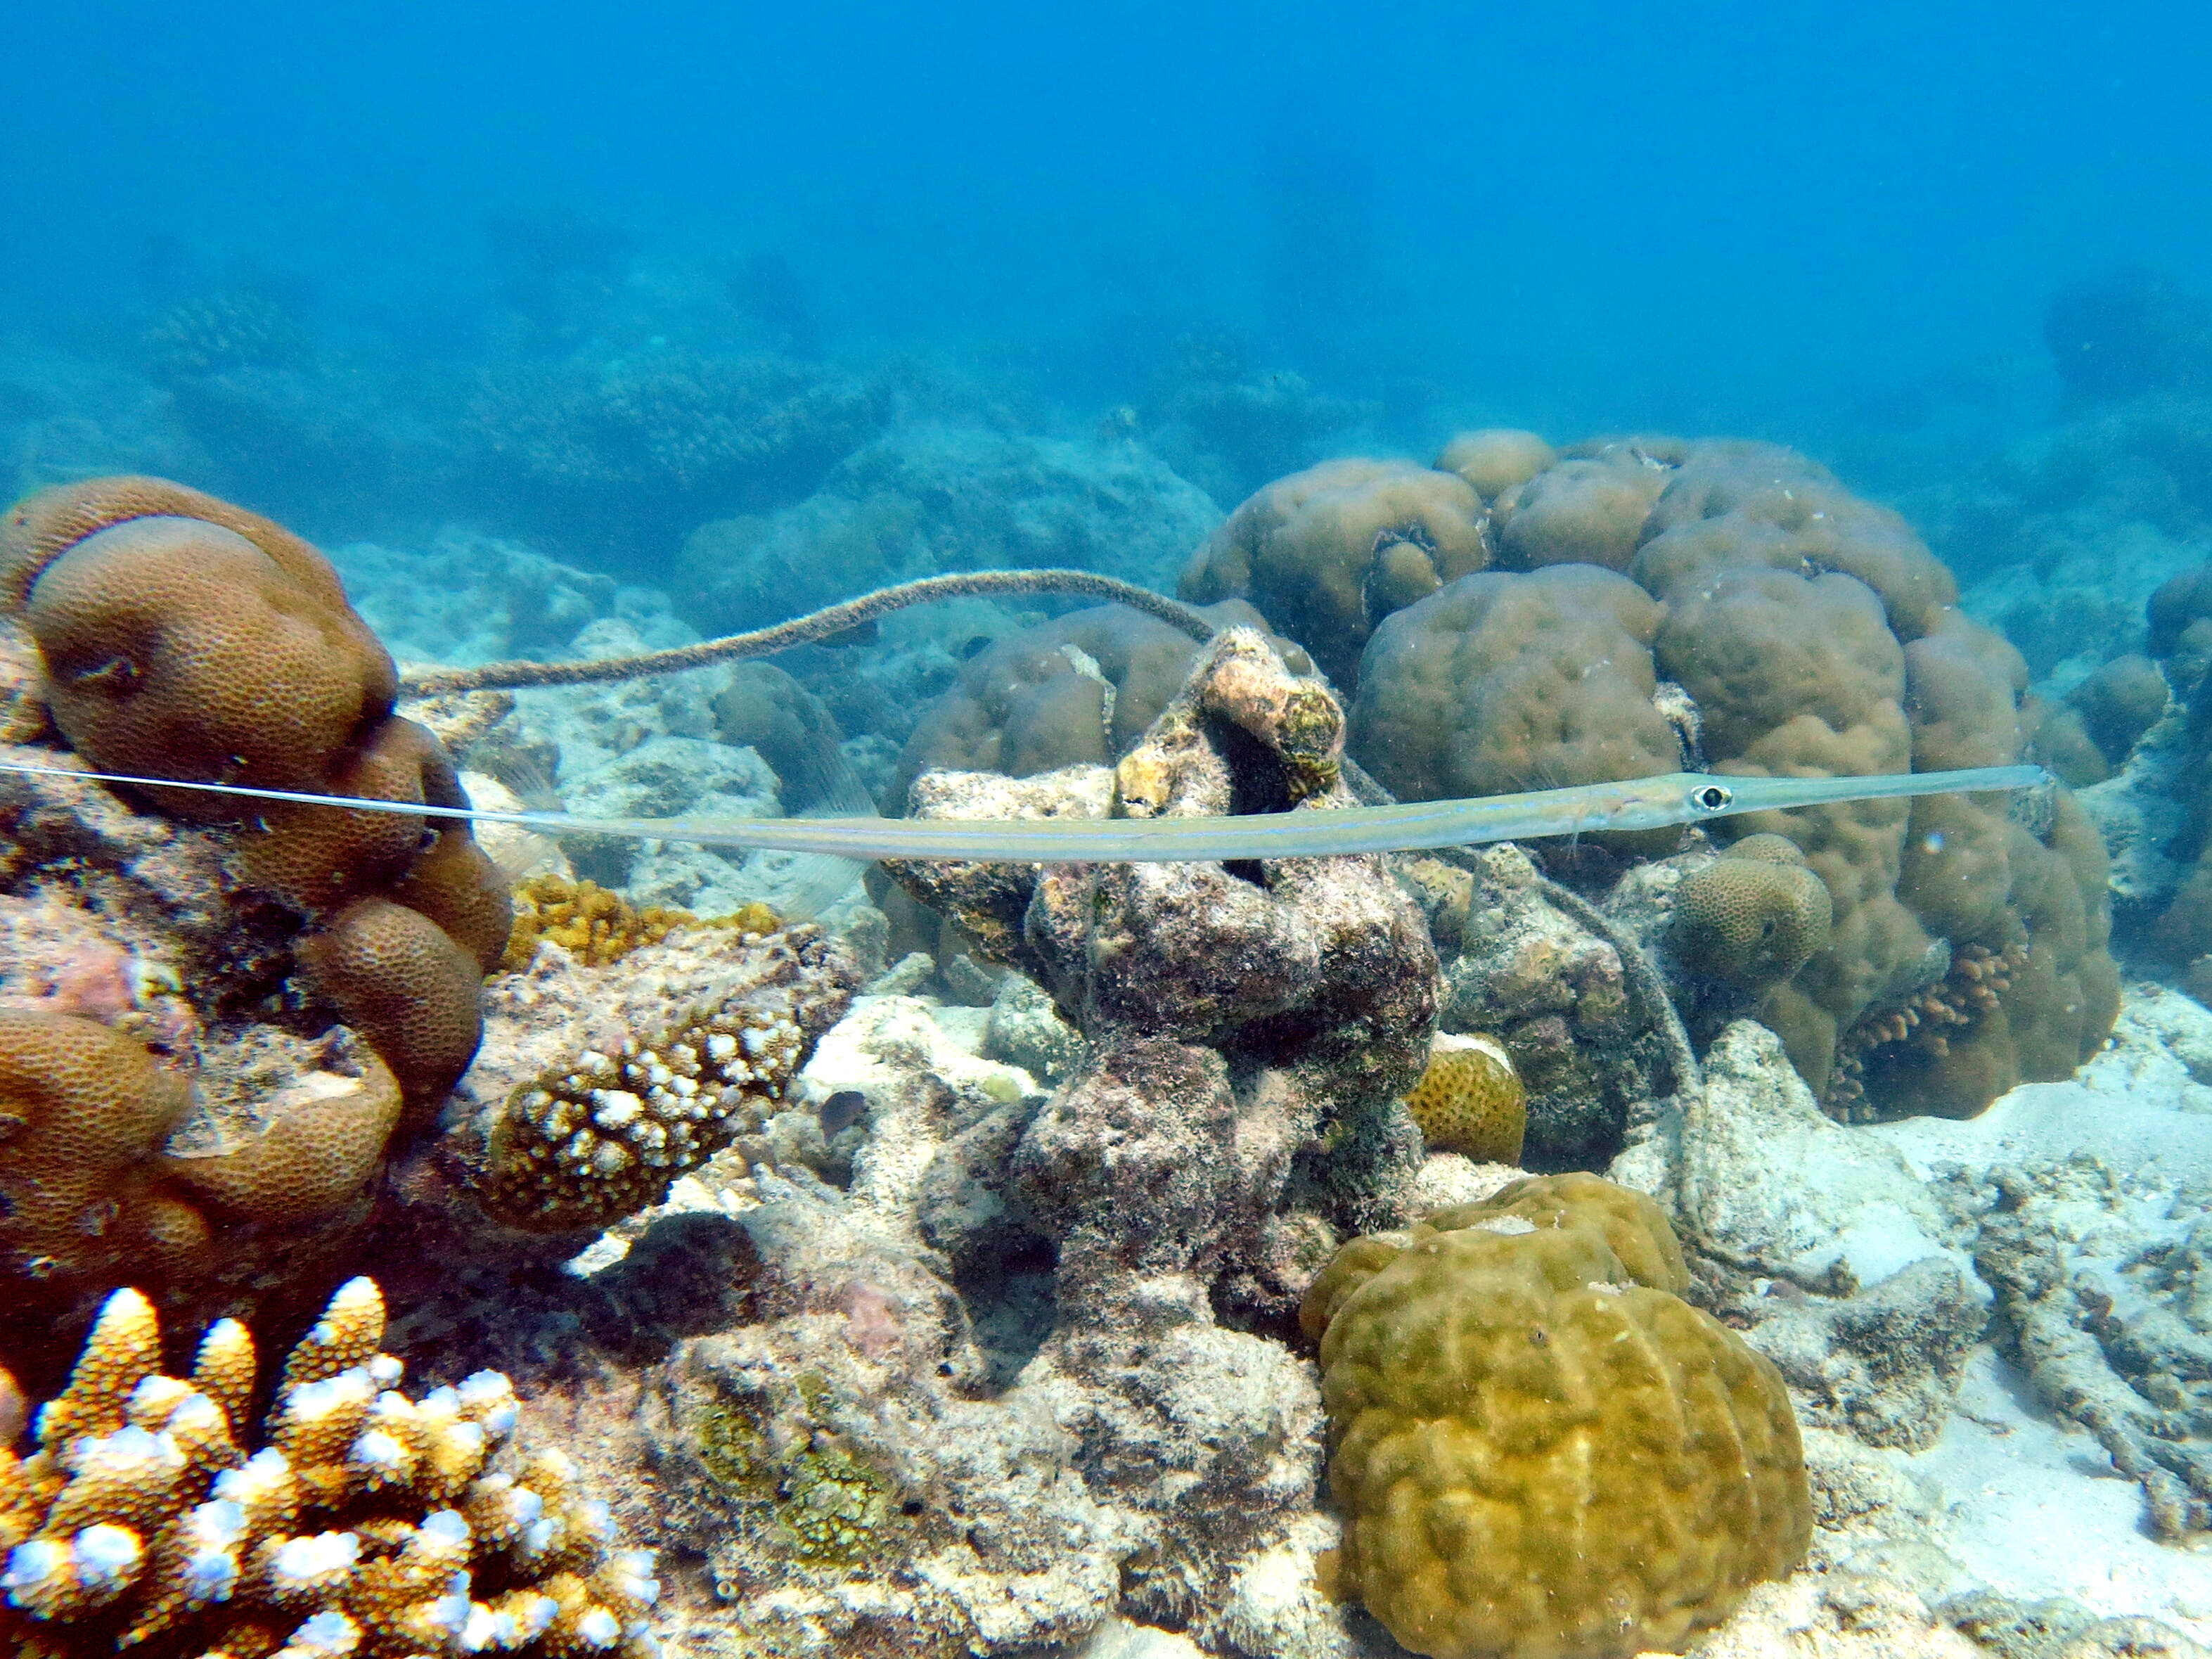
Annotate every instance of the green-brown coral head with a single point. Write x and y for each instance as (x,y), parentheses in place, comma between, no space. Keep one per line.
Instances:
(1538,1454)
(366,1526)
(1327,553)
(1751,918)
(83,1110)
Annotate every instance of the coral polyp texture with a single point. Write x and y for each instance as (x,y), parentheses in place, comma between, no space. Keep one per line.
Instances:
(1541,1450)
(367,1525)
(179,636)
(1471,1100)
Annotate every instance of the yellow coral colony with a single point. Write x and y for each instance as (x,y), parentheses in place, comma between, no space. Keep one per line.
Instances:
(1540,1450)
(369,1526)
(1471,1100)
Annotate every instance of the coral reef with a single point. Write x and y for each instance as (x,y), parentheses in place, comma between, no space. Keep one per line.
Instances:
(931,498)
(368,1522)
(182,637)
(1494,459)
(1599,1468)
(652,444)
(591,924)
(1078,690)
(1327,553)
(1773,624)
(600,1132)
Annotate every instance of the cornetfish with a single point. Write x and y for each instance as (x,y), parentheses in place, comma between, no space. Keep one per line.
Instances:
(1585,809)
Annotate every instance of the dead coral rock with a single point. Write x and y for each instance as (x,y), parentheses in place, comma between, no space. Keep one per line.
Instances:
(1555,997)
(1315,971)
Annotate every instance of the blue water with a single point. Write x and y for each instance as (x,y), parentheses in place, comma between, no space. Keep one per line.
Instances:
(1736,216)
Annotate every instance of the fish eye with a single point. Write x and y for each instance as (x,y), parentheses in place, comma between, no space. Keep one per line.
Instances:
(1710,797)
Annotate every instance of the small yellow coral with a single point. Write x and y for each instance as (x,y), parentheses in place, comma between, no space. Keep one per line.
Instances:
(1471,1100)
(594,925)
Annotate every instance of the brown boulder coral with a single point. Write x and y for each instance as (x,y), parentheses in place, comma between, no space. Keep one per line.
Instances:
(1540,1449)
(179,636)
(368,1524)
(1786,628)
(1327,553)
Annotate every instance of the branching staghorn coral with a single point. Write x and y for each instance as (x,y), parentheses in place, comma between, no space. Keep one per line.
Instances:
(367,1526)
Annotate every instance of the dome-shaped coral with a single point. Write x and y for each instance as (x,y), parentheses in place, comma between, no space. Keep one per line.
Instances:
(1495,458)
(1470,1100)
(1580,512)
(1327,553)
(1539,1448)
(1752,919)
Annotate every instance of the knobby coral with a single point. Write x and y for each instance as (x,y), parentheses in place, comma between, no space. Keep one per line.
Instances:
(369,1525)
(1541,1450)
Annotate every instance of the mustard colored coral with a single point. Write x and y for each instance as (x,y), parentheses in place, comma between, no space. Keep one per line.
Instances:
(1471,1100)
(369,1525)
(1539,1451)
(593,925)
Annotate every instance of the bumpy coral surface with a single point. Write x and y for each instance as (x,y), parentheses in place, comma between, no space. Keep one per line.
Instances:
(602,1134)
(1753,916)
(1291,1002)
(1327,553)
(1078,690)
(182,637)
(368,1524)
(1471,1100)
(593,925)
(1540,1449)
(1769,622)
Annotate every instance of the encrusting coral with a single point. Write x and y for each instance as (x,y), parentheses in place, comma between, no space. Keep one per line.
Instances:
(602,1134)
(593,925)
(367,1526)
(1541,1450)
(1753,916)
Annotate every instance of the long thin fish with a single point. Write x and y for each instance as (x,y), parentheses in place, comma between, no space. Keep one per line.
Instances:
(1586,808)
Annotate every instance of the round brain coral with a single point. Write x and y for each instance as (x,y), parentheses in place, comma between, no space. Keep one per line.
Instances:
(1327,553)
(1751,918)
(1541,1451)
(1470,1100)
